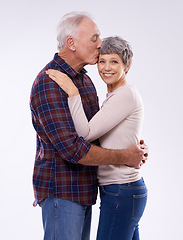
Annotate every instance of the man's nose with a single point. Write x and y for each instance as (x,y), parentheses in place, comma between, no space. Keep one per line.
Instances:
(99,43)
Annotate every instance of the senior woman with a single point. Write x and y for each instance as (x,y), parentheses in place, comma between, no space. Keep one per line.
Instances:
(118,125)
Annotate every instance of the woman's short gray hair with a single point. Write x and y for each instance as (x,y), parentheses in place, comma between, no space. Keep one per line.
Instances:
(119,46)
(68,26)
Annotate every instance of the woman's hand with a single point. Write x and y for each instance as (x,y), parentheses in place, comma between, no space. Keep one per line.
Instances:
(63,81)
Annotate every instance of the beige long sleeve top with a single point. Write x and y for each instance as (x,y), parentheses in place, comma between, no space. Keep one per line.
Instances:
(117,125)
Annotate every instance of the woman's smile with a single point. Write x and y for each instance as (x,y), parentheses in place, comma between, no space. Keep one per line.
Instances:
(112,70)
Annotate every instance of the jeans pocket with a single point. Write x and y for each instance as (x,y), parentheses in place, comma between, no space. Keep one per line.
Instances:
(139,203)
(109,190)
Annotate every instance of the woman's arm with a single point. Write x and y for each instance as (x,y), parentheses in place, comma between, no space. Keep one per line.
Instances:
(112,112)
(133,156)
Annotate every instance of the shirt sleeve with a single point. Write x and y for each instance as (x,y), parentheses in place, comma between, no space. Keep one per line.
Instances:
(114,109)
(53,121)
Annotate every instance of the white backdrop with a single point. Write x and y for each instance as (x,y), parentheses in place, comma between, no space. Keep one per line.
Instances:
(28,42)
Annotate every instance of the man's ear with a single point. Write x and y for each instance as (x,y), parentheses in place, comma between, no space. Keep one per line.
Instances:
(70,43)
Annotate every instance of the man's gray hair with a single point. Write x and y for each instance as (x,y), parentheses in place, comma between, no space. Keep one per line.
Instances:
(119,46)
(69,26)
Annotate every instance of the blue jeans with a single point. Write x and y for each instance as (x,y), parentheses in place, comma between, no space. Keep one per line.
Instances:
(122,206)
(65,220)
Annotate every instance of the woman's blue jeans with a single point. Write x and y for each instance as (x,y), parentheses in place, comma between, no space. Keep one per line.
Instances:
(65,220)
(122,206)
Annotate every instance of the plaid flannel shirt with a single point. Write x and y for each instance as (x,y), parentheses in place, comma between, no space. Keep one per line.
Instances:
(59,148)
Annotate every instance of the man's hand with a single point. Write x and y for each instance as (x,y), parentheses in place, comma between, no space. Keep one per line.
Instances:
(136,155)
(145,148)
(133,156)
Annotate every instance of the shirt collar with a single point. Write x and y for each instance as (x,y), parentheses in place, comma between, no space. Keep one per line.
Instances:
(65,66)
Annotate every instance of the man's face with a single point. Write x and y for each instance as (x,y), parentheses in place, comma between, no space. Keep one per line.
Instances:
(87,42)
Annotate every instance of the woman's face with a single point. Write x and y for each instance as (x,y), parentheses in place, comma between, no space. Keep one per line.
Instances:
(112,70)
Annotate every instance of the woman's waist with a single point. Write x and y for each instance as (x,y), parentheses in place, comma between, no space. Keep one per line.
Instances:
(117,174)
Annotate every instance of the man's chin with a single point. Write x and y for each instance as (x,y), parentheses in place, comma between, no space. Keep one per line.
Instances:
(94,62)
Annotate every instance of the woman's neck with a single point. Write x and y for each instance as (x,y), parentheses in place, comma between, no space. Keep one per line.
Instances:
(113,87)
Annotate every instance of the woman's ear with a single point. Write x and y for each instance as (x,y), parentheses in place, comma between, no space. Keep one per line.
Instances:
(127,68)
(70,43)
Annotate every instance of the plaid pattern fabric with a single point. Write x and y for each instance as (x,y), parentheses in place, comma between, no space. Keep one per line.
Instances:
(56,172)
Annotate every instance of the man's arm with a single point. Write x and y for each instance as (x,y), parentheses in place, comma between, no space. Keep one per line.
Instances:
(53,122)
(55,118)
(133,156)
(97,127)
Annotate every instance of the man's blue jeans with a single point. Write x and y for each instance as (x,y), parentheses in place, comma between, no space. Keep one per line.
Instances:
(122,206)
(65,220)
